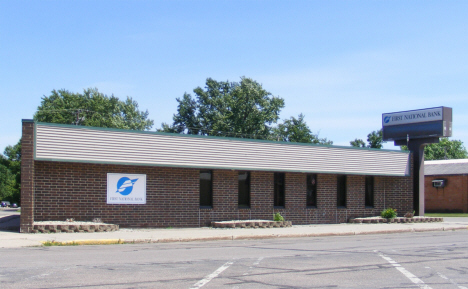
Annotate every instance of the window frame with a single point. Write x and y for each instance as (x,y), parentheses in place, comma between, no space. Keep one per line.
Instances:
(279,191)
(205,195)
(311,190)
(243,196)
(341,191)
(369,192)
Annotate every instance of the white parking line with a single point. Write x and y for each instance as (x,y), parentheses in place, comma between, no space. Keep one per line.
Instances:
(451,281)
(208,278)
(258,261)
(405,272)
(254,264)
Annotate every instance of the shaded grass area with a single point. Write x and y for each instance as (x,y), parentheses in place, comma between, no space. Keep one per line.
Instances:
(446,215)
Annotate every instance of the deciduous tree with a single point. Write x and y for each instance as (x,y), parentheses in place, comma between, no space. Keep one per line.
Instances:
(236,109)
(444,150)
(92,108)
(374,140)
(10,173)
(296,130)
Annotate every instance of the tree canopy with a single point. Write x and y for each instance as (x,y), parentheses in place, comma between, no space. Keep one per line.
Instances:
(10,173)
(296,130)
(92,108)
(444,150)
(237,109)
(7,183)
(374,140)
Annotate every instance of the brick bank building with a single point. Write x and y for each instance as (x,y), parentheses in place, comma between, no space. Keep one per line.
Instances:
(189,181)
(450,196)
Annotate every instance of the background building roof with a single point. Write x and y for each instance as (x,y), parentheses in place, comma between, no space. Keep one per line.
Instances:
(446,167)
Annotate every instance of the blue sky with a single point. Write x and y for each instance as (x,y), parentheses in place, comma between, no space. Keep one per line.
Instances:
(340,63)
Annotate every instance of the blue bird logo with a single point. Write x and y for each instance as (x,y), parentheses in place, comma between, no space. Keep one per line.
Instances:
(125,186)
(387,119)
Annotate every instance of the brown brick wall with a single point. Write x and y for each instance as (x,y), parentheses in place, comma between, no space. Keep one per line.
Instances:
(452,198)
(27,177)
(78,190)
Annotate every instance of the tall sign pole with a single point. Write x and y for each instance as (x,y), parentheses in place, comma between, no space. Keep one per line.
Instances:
(416,147)
(416,129)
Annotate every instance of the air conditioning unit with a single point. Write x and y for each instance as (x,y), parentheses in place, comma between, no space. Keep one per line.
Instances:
(439,183)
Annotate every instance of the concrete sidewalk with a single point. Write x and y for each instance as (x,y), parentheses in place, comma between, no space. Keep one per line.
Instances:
(11,239)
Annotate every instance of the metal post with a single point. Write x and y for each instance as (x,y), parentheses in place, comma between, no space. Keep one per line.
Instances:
(416,146)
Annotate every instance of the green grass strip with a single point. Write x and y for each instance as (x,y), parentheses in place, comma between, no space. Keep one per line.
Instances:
(465,215)
(83,242)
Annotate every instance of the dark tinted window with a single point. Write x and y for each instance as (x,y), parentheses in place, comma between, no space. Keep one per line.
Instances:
(279,190)
(369,191)
(244,189)
(206,189)
(341,191)
(311,190)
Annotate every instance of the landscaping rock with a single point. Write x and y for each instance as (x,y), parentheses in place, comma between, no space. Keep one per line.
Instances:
(374,220)
(255,224)
(70,227)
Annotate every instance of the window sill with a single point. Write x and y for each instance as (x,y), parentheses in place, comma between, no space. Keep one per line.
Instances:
(243,207)
(278,207)
(206,207)
(341,207)
(369,207)
(311,207)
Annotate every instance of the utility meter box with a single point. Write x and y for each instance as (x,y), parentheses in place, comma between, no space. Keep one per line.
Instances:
(439,183)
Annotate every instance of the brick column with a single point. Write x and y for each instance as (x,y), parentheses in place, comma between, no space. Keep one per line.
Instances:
(27,177)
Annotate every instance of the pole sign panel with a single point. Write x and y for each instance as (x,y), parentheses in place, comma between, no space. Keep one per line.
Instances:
(421,123)
(126,189)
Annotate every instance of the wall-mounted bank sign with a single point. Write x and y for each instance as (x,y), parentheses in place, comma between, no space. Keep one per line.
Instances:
(421,123)
(126,189)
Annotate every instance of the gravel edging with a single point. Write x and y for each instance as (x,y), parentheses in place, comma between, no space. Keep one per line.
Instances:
(73,227)
(376,220)
(251,224)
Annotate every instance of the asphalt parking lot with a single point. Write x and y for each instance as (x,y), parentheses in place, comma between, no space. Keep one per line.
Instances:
(430,260)
(9,219)
(9,211)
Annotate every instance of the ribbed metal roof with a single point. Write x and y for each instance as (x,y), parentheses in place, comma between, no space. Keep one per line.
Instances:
(97,145)
(446,167)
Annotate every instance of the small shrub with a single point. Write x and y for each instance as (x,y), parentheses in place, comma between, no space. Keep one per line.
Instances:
(278,218)
(389,213)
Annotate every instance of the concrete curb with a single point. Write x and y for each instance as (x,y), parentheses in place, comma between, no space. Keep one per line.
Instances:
(455,228)
(247,237)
